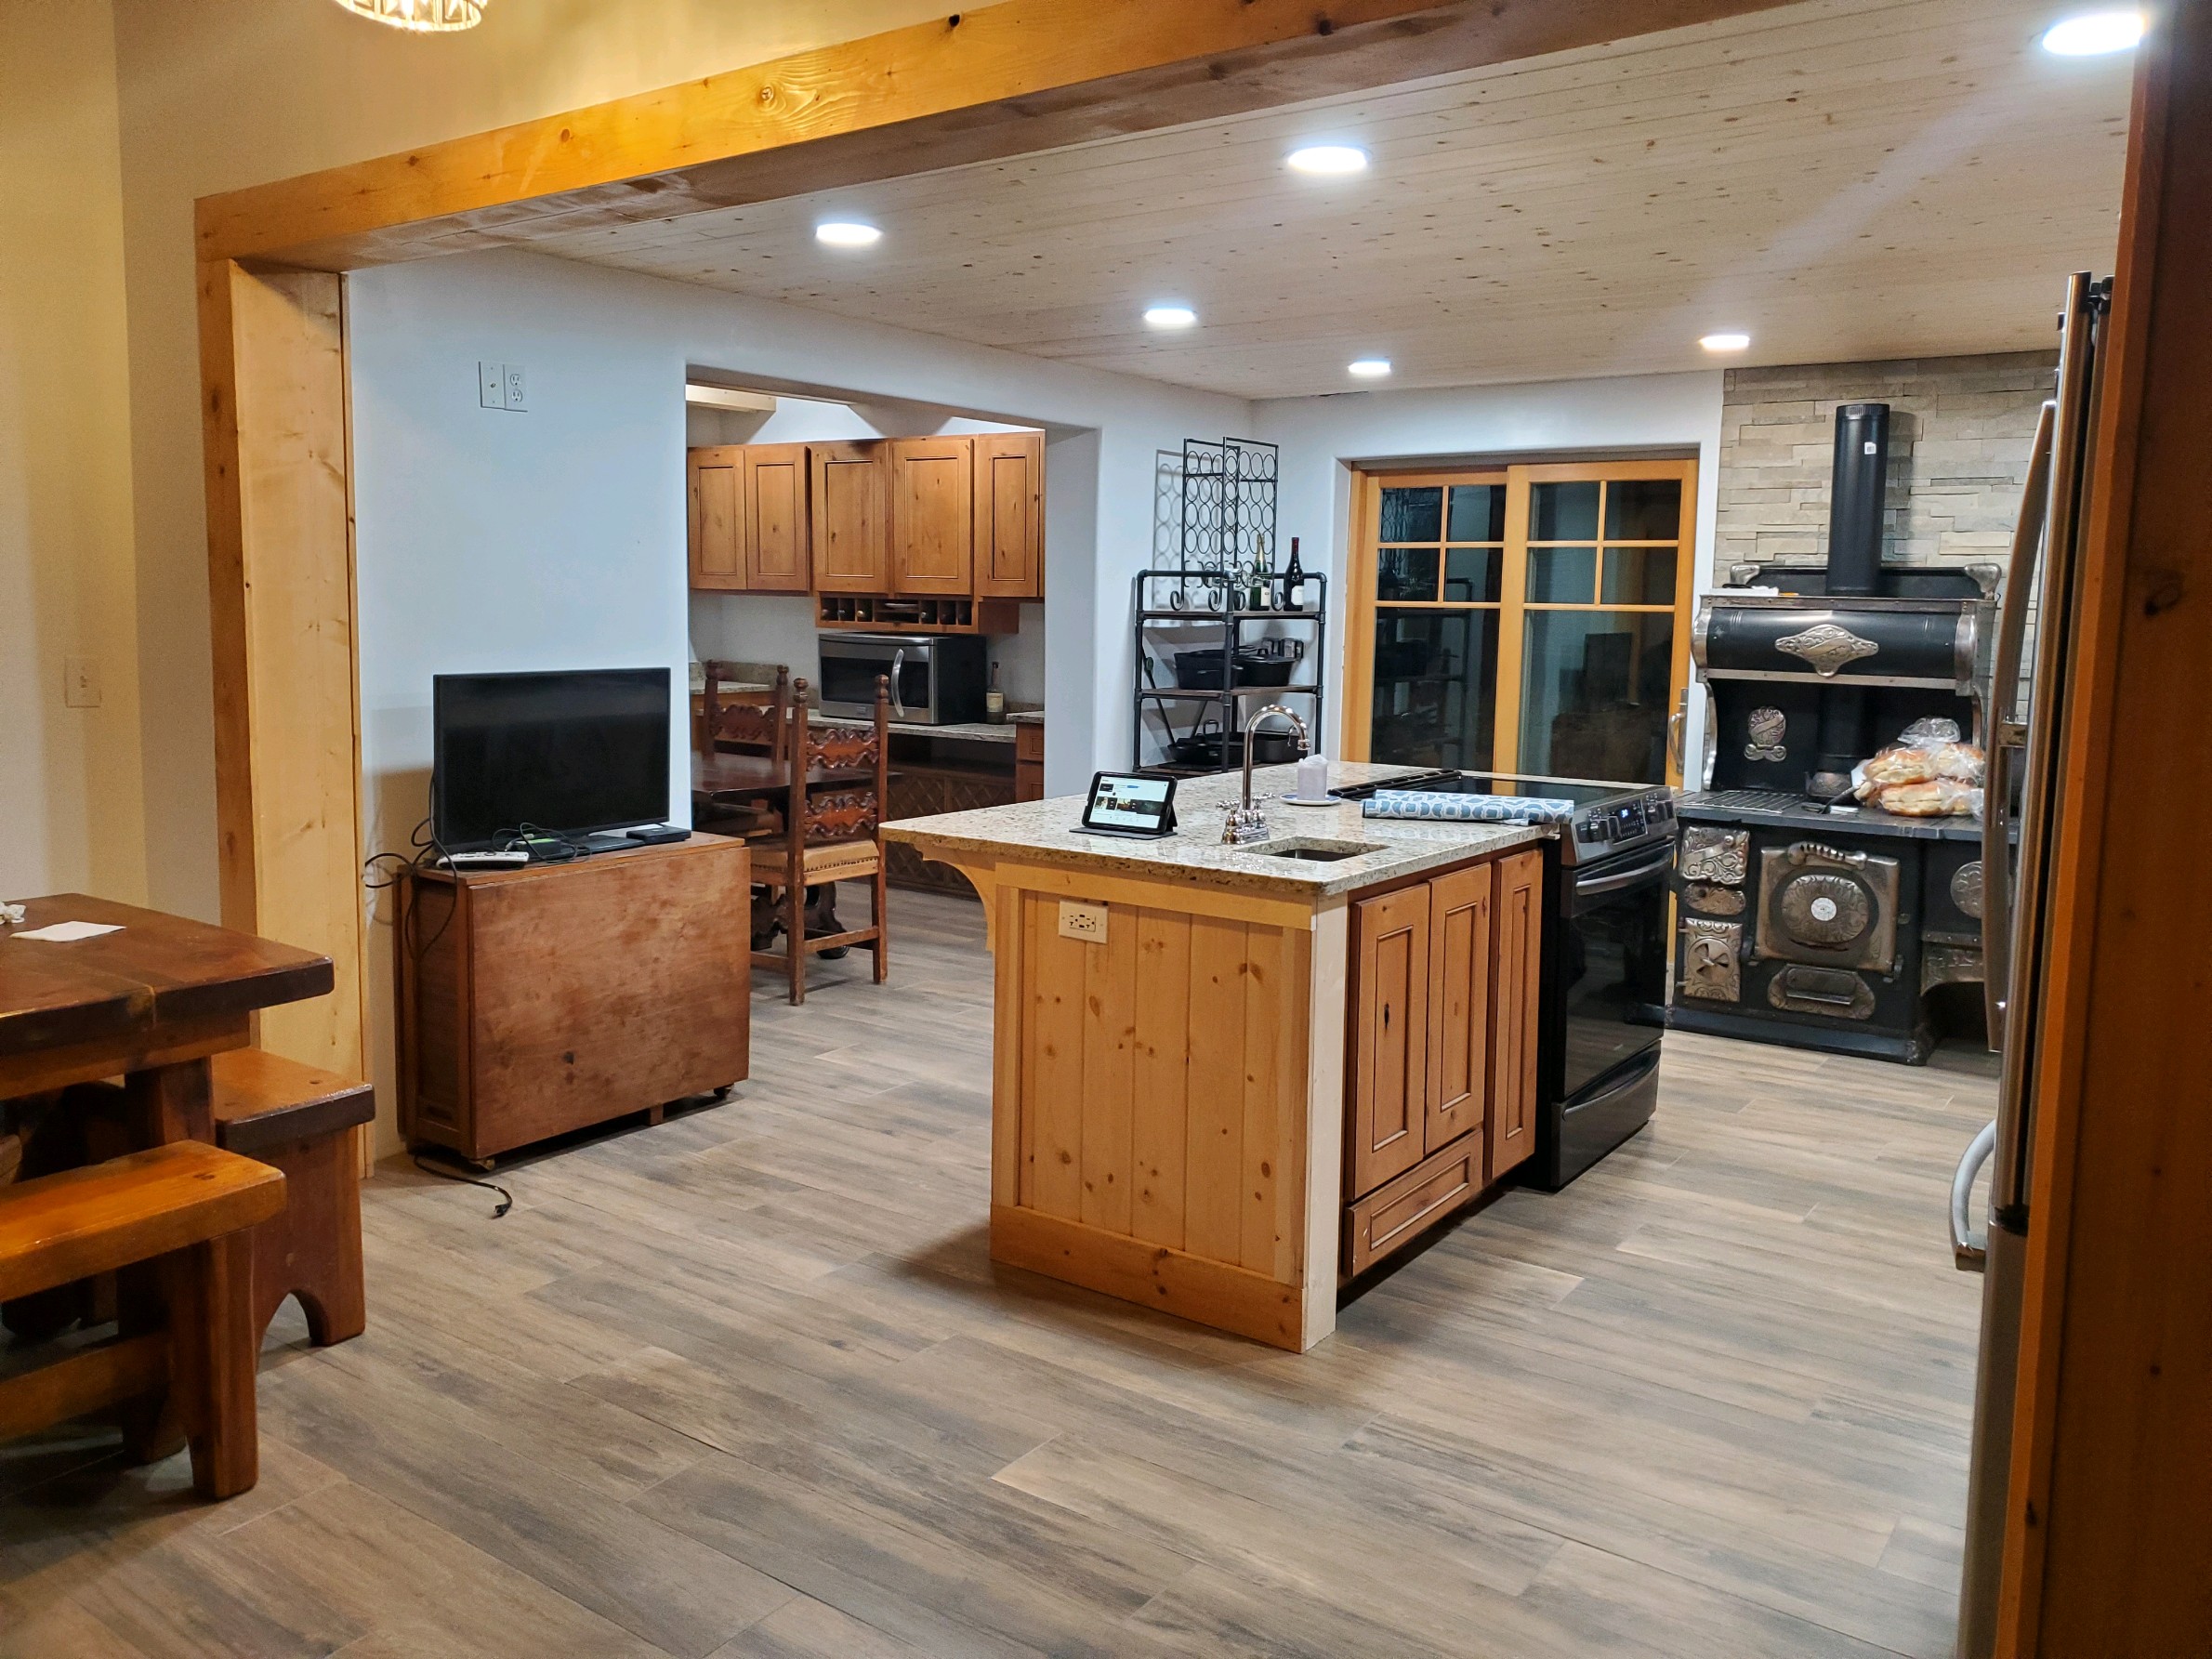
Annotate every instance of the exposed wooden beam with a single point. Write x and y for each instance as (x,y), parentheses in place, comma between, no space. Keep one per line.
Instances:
(1000,80)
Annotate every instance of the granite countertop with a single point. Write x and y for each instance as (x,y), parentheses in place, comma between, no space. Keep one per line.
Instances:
(970,731)
(1043,832)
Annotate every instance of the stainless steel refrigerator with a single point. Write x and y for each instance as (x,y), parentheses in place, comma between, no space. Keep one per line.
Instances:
(2025,736)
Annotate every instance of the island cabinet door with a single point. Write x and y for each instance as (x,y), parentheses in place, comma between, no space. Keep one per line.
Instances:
(1391,966)
(1459,1021)
(1516,971)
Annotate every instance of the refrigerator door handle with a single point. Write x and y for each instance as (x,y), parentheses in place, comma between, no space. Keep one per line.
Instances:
(1969,1250)
(2006,734)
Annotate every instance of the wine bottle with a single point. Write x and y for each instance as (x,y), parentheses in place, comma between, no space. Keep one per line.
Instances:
(1294,579)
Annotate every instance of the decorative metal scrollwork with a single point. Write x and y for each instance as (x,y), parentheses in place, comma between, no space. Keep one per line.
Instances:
(1712,960)
(1767,728)
(1704,896)
(1827,647)
(1820,909)
(1824,993)
(1966,888)
(1716,855)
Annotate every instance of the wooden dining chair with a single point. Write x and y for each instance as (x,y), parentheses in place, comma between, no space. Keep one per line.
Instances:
(744,723)
(833,833)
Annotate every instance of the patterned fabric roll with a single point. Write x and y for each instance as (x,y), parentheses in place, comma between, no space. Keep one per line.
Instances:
(1477,809)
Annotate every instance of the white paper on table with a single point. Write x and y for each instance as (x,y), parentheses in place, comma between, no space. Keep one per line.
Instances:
(62,932)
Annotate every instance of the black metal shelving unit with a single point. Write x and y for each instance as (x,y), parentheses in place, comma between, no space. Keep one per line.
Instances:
(1218,603)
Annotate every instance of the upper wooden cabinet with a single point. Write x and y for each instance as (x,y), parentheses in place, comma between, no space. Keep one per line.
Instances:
(777,557)
(716,517)
(1518,923)
(933,516)
(851,539)
(1009,515)
(927,518)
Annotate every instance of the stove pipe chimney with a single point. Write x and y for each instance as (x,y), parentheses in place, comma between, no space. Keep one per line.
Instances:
(1855,499)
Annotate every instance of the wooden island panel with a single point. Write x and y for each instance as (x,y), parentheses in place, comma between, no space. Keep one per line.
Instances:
(1161,1110)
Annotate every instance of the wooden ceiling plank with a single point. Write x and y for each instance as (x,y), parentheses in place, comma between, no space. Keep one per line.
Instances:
(1002,79)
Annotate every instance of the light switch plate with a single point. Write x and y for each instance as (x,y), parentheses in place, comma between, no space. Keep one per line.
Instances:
(491,379)
(80,682)
(1087,922)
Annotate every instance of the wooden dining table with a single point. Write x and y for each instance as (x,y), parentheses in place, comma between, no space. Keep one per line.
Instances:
(724,777)
(148,1003)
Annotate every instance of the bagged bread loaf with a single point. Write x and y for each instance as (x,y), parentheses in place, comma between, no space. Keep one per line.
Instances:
(1928,772)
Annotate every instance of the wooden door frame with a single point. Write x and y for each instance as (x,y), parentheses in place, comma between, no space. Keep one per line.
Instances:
(2107,1544)
(1363,552)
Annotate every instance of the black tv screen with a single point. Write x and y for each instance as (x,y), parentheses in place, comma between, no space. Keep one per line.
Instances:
(570,753)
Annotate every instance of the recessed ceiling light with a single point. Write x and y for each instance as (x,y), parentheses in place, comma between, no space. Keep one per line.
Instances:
(1725,342)
(1169,316)
(2094,34)
(1328,160)
(847,234)
(1369,368)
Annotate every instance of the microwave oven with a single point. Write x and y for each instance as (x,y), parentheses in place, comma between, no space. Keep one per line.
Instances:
(937,680)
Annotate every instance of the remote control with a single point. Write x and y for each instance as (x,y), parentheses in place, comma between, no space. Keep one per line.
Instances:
(486,861)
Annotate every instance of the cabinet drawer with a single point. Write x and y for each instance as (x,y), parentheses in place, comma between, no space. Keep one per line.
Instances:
(1394,1215)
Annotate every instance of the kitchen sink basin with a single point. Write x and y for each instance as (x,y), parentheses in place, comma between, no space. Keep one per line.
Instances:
(1313,849)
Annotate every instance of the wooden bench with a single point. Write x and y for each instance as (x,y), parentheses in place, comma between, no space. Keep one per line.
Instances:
(186,1208)
(301,1121)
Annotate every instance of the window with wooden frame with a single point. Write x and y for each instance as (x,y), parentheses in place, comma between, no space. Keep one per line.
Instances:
(1530,618)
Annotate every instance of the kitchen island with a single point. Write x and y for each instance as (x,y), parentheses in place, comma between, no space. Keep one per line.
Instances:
(1228,1080)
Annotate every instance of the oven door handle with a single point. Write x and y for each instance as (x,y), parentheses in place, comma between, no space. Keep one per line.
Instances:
(898,663)
(1613,881)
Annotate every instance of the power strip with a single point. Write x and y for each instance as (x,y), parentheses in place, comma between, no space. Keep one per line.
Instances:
(485,860)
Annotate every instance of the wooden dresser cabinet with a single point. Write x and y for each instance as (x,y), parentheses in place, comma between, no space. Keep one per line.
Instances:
(536,1001)
(1441,1073)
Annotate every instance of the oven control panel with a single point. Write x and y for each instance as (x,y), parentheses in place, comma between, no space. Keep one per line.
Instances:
(1620,822)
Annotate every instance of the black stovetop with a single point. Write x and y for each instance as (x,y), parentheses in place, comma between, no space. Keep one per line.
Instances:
(1755,806)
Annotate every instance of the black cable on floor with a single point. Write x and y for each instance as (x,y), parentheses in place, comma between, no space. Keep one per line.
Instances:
(507,1199)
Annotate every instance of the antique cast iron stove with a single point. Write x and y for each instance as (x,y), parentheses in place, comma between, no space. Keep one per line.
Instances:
(1799,924)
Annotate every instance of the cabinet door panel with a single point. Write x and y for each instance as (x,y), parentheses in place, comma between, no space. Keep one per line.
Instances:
(1459,1023)
(1009,505)
(846,518)
(716,498)
(932,515)
(776,556)
(1516,969)
(1390,1037)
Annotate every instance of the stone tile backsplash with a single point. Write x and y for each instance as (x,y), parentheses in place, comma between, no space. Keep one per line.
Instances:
(1959,432)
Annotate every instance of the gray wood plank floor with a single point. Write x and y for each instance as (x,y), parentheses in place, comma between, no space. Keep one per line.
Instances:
(748,1386)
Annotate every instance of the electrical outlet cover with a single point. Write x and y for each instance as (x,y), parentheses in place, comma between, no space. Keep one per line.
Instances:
(80,682)
(514,387)
(491,379)
(1087,922)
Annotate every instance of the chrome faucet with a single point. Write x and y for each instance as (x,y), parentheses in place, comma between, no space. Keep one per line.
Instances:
(1247,822)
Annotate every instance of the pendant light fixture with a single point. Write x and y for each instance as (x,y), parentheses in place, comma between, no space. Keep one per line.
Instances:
(421,17)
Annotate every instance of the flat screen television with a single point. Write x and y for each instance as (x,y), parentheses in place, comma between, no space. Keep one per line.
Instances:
(572,753)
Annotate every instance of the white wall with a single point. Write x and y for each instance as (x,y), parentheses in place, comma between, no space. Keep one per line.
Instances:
(555,537)
(767,627)
(72,801)
(1322,439)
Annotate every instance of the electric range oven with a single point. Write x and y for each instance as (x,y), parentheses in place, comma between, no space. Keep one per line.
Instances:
(1605,961)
